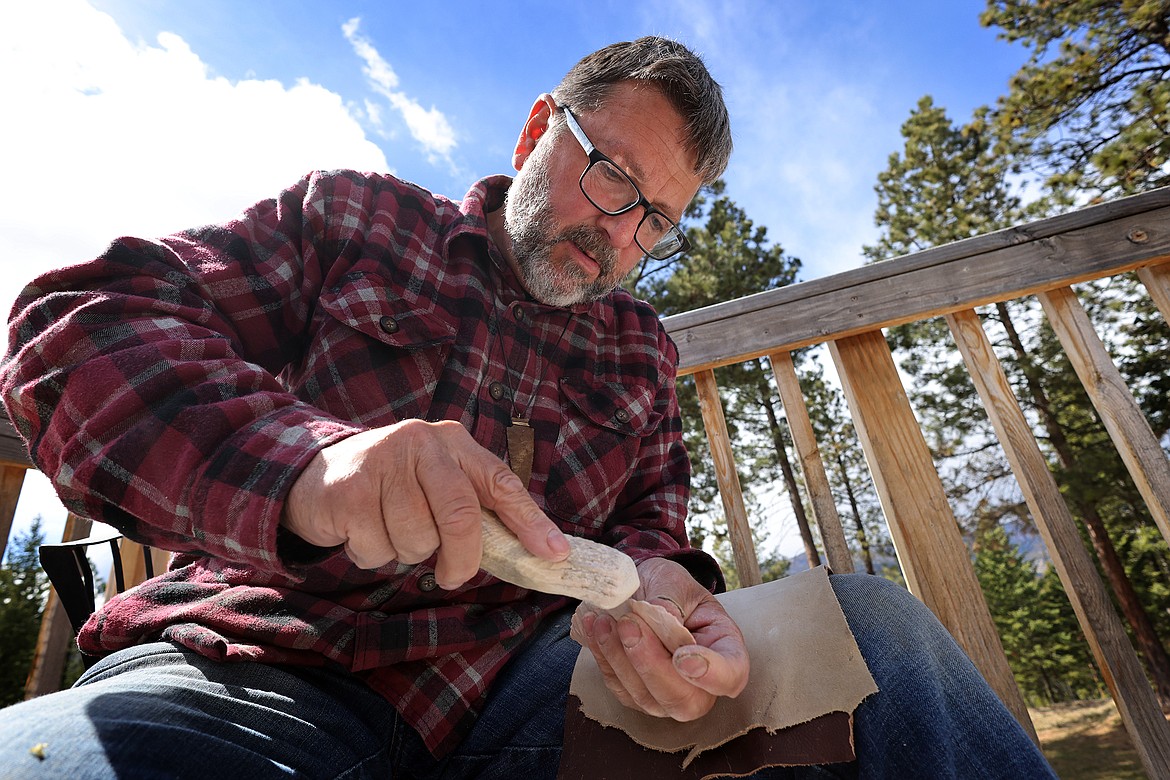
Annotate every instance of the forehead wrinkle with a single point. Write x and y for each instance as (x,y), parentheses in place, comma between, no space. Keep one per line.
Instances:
(636,172)
(642,127)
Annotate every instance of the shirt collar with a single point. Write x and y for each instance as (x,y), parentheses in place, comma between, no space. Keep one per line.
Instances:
(487,195)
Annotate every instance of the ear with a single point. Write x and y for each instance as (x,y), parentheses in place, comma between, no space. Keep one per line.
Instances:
(534,128)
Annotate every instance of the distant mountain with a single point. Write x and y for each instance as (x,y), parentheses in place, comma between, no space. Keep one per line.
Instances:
(1028,542)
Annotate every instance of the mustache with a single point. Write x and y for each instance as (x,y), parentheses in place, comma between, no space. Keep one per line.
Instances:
(593,242)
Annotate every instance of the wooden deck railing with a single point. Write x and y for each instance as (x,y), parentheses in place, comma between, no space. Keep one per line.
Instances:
(847,312)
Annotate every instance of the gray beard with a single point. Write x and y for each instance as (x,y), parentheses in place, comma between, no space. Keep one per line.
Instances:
(529,222)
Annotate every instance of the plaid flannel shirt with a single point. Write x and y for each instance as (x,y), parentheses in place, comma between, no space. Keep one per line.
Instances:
(175,389)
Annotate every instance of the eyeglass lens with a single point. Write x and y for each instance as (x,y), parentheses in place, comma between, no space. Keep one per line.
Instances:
(611,190)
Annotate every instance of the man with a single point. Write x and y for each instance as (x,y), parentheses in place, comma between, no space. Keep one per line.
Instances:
(312,402)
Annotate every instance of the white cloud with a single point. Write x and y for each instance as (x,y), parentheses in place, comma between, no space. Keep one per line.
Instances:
(809,140)
(120,138)
(106,137)
(427,126)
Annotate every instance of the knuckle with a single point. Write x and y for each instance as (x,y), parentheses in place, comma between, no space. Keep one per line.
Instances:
(504,483)
(457,514)
(363,560)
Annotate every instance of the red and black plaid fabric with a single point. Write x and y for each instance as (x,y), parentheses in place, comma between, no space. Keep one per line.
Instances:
(175,389)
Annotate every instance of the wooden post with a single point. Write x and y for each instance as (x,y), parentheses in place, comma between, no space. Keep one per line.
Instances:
(1156,279)
(747,566)
(56,633)
(11,480)
(1129,429)
(1103,628)
(926,537)
(824,510)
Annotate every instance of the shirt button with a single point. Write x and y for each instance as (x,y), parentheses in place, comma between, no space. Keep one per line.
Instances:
(379,616)
(388,324)
(518,313)
(496,390)
(622,416)
(426,583)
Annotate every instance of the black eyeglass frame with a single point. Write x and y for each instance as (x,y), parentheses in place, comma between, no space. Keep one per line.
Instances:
(595,156)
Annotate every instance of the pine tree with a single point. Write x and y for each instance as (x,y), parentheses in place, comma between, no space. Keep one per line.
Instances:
(23,590)
(853,491)
(1091,107)
(1044,647)
(948,184)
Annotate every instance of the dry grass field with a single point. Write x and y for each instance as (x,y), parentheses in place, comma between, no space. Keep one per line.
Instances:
(1086,741)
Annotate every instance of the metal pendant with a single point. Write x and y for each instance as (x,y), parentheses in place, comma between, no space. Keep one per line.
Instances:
(520,446)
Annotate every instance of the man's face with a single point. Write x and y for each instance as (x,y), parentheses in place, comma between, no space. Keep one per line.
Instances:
(566,250)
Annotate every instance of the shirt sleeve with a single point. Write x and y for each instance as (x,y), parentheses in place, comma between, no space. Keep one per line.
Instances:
(145,381)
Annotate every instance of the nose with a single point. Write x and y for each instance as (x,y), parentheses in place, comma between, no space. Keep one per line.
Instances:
(620,229)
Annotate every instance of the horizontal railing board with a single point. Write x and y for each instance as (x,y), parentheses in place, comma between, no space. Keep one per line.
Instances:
(12,451)
(1082,245)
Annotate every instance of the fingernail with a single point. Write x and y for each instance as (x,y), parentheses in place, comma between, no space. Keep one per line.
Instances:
(557,542)
(630,633)
(691,665)
(603,627)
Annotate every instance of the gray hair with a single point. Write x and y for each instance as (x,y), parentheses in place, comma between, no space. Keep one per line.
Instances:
(678,73)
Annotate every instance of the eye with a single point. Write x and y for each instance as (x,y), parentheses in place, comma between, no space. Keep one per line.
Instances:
(657,223)
(612,174)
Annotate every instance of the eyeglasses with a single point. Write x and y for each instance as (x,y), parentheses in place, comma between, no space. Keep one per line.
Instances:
(613,192)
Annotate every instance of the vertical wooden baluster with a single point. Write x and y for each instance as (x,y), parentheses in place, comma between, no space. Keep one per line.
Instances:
(1103,628)
(926,537)
(824,510)
(1156,279)
(742,546)
(11,480)
(1135,442)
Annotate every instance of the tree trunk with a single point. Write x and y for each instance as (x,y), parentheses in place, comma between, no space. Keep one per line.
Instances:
(1152,650)
(810,548)
(862,539)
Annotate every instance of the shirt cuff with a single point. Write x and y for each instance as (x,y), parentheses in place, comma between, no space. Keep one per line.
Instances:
(239,496)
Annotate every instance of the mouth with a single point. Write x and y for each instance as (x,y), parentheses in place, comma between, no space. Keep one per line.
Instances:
(583,259)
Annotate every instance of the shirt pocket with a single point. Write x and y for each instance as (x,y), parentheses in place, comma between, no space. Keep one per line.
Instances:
(604,422)
(376,358)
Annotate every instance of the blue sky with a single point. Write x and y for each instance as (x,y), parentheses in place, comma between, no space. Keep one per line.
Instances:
(147,116)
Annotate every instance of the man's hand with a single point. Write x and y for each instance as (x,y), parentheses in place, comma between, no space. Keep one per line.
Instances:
(639,670)
(408,490)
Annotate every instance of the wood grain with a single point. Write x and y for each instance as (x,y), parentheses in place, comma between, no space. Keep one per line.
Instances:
(812,467)
(743,547)
(926,537)
(12,450)
(1156,279)
(1090,601)
(593,572)
(1119,411)
(1000,266)
(11,480)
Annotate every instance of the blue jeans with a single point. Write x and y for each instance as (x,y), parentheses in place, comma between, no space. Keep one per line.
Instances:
(160,711)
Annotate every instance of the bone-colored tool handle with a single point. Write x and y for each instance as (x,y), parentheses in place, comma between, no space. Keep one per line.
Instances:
(592,572)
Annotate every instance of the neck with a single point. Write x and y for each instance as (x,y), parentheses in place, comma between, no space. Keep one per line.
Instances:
(499,235)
